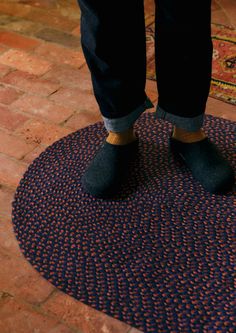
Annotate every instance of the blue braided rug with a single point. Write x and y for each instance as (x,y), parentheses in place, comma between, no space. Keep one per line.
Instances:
(159,256)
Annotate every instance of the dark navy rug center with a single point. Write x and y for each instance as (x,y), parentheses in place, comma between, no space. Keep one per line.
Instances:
(159,256)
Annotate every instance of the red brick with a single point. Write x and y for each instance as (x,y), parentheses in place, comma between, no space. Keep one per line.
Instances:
(42,107)
(219,16)
(15,9)
(58,37)
(37,131)
(8,95)
(228,7)
(8,240)
(6,196)
(71,77)
(13,40)
(4,70)
(33,154)
(221,109)
(24,27)
(30,83)
(11,120)
(151,91)
(18,317)
(11,170)
(76,31)
(83,119)
(21,279)
(25,62)
(41,4)
(2,49)
(14,146)
(151,86)
(61,55)
(52,18)
(82,317)
(76,99)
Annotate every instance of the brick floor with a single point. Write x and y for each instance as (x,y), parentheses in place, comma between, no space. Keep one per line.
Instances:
(46,93)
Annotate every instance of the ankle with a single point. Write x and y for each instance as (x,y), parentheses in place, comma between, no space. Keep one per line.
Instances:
(121,138)
(188,136)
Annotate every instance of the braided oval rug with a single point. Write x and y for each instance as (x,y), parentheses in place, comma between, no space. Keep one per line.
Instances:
(159,256)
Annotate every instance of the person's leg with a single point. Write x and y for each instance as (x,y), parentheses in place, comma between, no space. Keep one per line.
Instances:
(184,63)
(114,45)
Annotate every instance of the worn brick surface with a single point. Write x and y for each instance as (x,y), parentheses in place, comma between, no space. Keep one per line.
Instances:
(76,31)
(83,119)
(47,4)
(218,108)
(28,158)
(3,49)
(16,41)
(8,95)
(5,19)
(25,62)
(14,9)
(30,83)
(11,120)
(60,37)
(20,279)
(23,26)
(71,77)
(61,55)
(76,99)
(39,131)
(18,317)
(51,18)
(6,195)
(81,316)
(14,146)
(11,170)
(8,240)
(42,107)
(4,70)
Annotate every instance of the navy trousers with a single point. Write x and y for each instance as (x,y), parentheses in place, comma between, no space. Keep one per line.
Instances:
(114,44)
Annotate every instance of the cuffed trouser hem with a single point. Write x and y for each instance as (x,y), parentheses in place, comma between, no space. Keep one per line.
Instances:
(189,124)
(123,123)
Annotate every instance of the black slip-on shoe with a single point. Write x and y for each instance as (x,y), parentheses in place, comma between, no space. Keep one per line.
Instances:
(109,169)
(206,163)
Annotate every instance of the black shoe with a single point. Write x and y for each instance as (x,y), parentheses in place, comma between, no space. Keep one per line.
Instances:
(109,169)
(206,163)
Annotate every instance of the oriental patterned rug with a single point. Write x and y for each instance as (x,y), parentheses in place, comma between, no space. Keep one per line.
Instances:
(223,83)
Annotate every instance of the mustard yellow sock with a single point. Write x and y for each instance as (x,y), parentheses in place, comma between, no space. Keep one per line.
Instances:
(187,136)
(121,138)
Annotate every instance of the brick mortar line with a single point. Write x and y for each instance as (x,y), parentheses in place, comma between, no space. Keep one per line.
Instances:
(45,58)
(40,118)
(25,92)
(56,291)
(36,308)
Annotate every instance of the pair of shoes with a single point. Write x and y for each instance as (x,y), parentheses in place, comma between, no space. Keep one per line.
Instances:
(110,166)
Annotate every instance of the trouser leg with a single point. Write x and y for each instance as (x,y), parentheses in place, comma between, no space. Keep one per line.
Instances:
(183,61)
(114,46)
